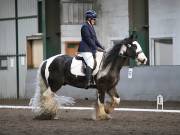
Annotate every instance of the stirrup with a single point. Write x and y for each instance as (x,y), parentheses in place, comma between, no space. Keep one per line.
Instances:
(87,85)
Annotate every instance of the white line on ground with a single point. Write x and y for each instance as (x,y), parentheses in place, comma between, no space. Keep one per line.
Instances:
(91,108)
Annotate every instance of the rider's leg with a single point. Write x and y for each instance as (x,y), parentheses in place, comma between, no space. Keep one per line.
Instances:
(88,57)
(88,75)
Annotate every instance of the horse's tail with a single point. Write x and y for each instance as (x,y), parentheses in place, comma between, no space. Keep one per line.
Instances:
(45,102)
(41,87)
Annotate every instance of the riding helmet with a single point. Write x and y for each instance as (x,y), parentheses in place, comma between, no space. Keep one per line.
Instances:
(90,14)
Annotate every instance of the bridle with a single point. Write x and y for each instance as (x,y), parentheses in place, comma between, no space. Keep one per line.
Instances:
(136,56)
(142,61)
(138,53)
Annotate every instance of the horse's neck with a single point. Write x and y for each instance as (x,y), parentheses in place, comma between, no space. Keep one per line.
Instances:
(112,67)
(118,64)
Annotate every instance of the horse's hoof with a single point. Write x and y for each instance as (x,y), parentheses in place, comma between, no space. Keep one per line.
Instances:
(56,118)
(109,110)
(104,117)
(45,116)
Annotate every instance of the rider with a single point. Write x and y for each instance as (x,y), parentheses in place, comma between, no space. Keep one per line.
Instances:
(89,44)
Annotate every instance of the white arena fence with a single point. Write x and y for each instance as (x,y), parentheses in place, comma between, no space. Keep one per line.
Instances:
(91,108)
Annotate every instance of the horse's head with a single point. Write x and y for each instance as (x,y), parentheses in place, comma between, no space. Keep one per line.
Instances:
(131,48)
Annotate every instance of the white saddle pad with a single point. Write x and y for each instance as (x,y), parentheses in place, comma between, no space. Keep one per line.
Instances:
(76,65)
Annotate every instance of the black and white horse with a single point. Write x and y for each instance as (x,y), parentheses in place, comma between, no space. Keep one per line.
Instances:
(61,69)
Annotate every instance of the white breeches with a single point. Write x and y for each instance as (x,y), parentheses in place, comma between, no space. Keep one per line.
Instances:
(88,57)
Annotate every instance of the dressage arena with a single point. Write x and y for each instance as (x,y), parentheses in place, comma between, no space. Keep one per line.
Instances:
(16,118)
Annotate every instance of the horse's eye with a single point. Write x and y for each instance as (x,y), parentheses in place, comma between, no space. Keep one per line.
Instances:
(129,45)
(135,46)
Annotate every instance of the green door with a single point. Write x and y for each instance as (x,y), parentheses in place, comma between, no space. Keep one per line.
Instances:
(139,23)
(51,27)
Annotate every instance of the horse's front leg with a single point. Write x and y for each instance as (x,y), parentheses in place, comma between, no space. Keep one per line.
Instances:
(115,100)
(100,109)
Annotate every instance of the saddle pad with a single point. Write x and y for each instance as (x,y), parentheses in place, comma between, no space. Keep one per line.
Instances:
(77,65)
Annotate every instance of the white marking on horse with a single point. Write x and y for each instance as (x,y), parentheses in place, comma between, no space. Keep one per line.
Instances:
(117,100)
(103,72)
(49,61)
(141,56)
(138,46)
(122,50)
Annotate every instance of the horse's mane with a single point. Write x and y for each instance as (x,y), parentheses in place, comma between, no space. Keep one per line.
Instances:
(113,53)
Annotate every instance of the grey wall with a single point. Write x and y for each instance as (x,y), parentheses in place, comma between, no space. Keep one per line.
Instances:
(27,25)
(146,84)
(164,23)
(8,47)
(113,21)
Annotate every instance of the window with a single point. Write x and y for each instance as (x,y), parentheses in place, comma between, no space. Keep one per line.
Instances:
(34,51)
(72,47)
(163,51)
(73,11)
(3,63)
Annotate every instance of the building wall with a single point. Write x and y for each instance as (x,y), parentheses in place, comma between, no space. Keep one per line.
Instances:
(112,24)
(7,47)
(163,23)
(176,48)
(113,21)
(9,40)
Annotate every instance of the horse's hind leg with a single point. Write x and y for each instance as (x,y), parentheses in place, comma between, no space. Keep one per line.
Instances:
(100,110)
(49,106)
(115,100)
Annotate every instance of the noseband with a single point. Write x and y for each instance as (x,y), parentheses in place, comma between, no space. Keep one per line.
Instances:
(138,53)
(142,61)
(129,56)
(125,56)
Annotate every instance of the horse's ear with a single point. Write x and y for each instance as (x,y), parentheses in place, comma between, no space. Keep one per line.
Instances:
(131,36)
(135,36)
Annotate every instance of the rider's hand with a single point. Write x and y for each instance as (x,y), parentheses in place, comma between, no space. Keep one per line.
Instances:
(100,49)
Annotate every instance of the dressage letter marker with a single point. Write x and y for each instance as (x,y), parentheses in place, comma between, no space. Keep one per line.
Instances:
(130,70)
(160,101)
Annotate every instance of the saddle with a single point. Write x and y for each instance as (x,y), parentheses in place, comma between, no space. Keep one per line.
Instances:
(78,57)
(78,65)
(84,65)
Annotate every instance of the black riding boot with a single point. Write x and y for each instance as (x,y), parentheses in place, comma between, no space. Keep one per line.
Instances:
(88,77)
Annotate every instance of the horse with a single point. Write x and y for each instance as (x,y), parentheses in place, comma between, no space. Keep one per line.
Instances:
(59,70)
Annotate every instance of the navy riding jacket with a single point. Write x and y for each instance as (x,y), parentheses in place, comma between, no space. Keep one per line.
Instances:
(89,42)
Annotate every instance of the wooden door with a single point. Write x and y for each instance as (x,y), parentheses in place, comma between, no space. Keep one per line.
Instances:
(71,48)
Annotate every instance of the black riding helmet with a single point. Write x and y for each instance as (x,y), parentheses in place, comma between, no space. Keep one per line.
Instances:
(90,14)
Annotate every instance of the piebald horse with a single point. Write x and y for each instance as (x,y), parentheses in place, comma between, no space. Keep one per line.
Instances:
(61,69)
